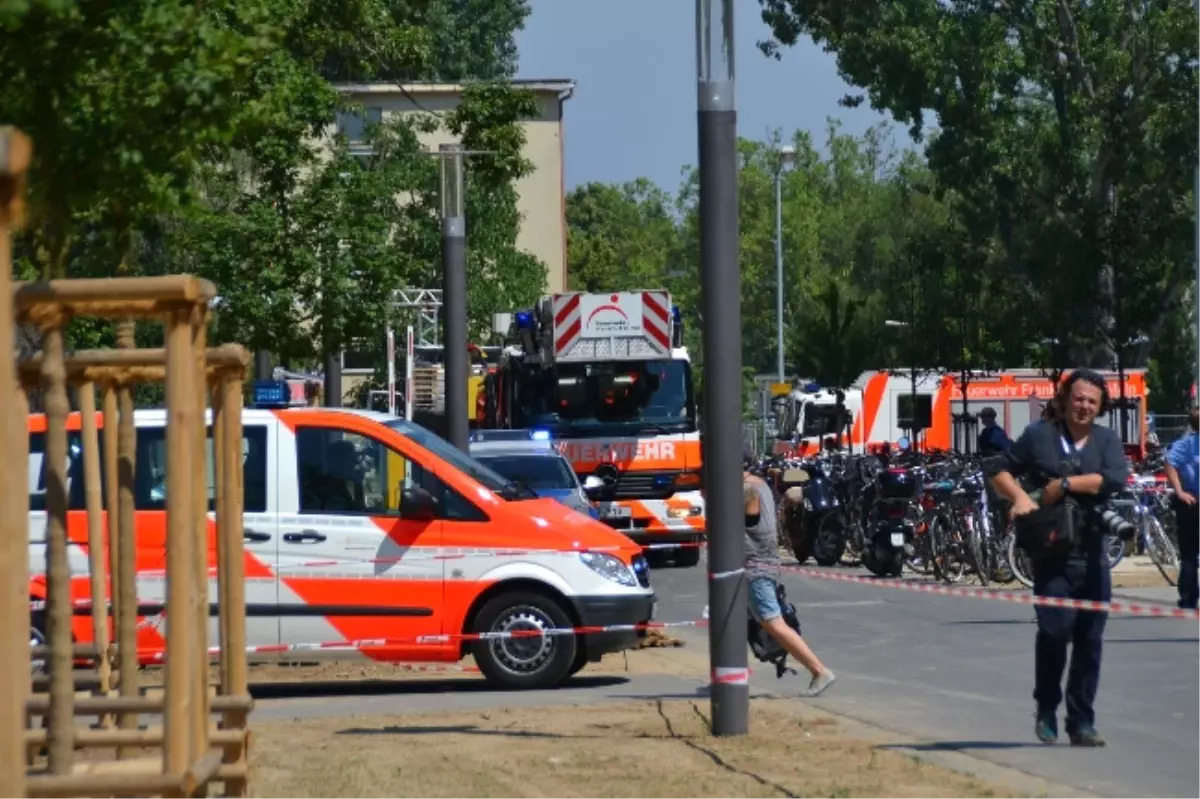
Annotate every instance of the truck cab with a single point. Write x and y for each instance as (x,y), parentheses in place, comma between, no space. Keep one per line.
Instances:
(607,377)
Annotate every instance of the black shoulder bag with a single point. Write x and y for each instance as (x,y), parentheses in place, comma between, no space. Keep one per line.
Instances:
(765,647)
(1053,531)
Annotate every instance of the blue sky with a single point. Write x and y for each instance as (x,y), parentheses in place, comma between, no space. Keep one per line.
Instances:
(634,110)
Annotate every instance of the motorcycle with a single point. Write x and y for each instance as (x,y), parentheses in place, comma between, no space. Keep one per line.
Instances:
(892,527)
(812,514)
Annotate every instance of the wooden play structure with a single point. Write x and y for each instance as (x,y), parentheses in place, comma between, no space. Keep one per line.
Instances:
(48,743)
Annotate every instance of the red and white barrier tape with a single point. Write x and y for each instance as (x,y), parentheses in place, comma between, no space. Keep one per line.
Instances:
(429,640)
(1116,607)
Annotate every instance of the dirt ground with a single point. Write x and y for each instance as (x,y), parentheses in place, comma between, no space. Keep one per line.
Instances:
(633,749)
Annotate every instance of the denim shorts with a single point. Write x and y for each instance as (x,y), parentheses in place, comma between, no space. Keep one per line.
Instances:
(764,603)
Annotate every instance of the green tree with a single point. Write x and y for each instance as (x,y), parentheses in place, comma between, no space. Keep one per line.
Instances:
(620,237)
(1066,126)
(121,101)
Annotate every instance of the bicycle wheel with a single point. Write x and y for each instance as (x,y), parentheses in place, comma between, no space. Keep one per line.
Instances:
(949,561)
(1019,562)
(979,552)
(1162,550)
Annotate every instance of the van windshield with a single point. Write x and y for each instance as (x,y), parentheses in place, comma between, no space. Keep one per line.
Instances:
(453,455)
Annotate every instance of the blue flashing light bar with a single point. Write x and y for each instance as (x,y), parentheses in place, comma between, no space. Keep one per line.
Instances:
(676,314)
(271,394)
(539,435)
(525,320)
(812,388)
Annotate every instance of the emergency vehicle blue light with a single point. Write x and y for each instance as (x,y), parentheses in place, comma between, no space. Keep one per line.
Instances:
(271,394)
(663,480)
(676,314)
(539,435)
(524,320)
(812,388)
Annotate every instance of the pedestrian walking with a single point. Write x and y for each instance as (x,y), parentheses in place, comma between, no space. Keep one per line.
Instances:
(1068,467)
(1183,473)
(762,572)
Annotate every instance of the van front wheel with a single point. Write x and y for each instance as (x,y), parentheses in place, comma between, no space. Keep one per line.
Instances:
(525,660)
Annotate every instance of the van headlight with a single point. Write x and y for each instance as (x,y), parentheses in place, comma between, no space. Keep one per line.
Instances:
(609,567)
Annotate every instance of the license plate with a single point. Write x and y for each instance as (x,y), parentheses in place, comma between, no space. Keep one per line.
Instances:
(897,539)
(614,512)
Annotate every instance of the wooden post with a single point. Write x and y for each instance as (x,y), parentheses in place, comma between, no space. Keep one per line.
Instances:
(109,405)
(92,499)
(126,571)
(15,154)
(233,591)
(59,613)
(181,529)
(200,557)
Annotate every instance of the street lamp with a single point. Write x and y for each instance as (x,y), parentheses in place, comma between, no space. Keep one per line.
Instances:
(720,282)
(454,292)
(787,156)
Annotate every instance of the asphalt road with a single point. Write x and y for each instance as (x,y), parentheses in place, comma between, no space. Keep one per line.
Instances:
(957,674)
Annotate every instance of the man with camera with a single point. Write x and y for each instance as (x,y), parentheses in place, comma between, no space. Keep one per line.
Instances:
(1183,473)
(1068,467)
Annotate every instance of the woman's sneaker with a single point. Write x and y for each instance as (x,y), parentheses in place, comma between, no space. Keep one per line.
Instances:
(819,683)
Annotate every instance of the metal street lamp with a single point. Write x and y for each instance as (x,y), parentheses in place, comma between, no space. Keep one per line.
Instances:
(454,292)
(720,283)
(787,157)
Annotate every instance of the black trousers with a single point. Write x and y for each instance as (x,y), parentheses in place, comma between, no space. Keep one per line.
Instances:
(1080,631)
(1187,523)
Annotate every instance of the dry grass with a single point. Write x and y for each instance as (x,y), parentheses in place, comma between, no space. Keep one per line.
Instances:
(631,749)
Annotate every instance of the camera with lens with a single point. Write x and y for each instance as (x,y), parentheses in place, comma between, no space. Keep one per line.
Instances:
(1114,524)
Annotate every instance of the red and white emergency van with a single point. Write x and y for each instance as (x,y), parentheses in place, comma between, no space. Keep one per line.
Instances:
(361,526)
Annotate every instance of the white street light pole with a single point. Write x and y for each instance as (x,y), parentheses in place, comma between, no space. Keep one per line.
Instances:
(787,155)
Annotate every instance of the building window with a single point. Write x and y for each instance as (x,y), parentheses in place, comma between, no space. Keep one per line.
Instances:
(353,124)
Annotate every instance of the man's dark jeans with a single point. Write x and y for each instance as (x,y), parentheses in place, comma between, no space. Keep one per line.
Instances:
(1080,630)
(1187,523)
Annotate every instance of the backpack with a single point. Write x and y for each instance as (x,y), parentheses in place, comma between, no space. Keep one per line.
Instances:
(766,648)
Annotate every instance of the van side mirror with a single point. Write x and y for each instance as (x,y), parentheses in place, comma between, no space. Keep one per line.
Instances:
(592,486)
(416,504)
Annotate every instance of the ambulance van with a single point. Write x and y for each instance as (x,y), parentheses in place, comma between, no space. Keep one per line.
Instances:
(361,526)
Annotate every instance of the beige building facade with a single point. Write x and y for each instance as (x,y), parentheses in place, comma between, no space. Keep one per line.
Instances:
(541,195)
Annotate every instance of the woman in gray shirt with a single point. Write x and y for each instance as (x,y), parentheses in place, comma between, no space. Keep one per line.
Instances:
(762,571)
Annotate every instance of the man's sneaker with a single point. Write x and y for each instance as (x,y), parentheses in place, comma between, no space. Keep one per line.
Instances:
(1046,728)
(1086,736)
(819,683)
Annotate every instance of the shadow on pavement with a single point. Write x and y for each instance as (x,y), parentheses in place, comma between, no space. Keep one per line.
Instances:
(327,688)
(993,621)
(961,746)
(1152,640)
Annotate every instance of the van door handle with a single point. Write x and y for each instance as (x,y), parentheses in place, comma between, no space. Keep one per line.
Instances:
(255,535)
(303,536)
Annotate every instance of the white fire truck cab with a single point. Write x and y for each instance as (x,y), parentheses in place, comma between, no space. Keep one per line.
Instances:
(607,376)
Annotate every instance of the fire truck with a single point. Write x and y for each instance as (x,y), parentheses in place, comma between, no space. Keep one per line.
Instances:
(606,375)
(879,407)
